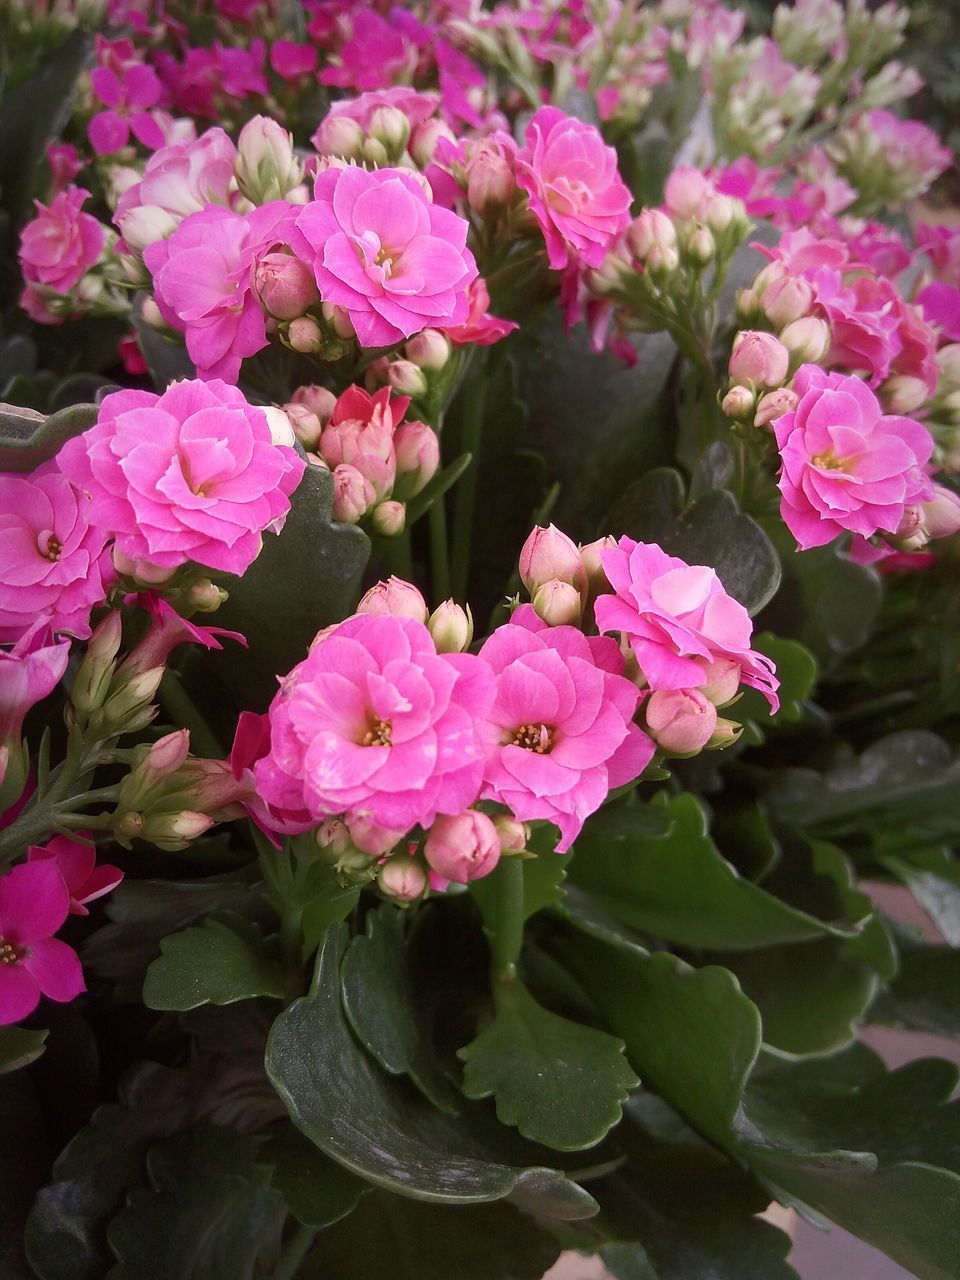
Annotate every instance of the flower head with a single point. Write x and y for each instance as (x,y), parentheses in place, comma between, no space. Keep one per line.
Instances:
(29,672)
(61,244)
(77,864)
(34,902)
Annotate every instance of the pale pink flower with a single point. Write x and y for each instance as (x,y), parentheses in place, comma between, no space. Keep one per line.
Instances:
(85,878)
(189,476)
(574,187)
(376,724)
(29,672)
(34,902)
(61,244)
(912,151)
(54,565)
(380,250)
(181,179)
(846,464)
(678,618)
(561,732)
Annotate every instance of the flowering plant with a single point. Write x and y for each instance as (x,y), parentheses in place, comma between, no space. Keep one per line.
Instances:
(478,654)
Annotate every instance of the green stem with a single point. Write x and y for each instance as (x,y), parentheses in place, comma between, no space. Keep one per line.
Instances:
(439,562)
(182,710)
(294,1252)
(466,499)
(507,941)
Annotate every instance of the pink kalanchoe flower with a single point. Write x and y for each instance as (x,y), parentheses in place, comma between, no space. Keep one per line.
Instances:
(128,96)
(65,164)
(251,742)
(359,435)
(34,902)
(166,630)
(29,672)
(182,178)
(292,61)
(846,464)
(85,879)
(940,303)
(479,328)
(376,53)
(192,475)
(561,732)
(376,724)
(380,250)
(678,618)
(574,187)
(54,564)
(61,244)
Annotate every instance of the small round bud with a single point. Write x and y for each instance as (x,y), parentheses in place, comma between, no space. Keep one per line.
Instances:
(687,192)
(451,627)
(429,349)
(759,359)
(395,597)
(370,838)
(724,735)
(662,261)
(723,681)
(549,554)
(904,394)
(738,403)
(774,405)
(339,136)
(787,298)
(591,559)
(388,518)
(680,721)
(514,836)
(402,878)
(463,847)
(305,335)
(807,339)
(353,494)
(651,228)
(417,451)
(701,246)
(284,286)
(281,428)
(942,514)
(406,378)
(557,603)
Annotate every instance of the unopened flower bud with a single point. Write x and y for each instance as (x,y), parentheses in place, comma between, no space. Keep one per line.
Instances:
(424,139)
(723,681)
(281,428)
(774,405)
(549,554)
(451,627)
(701,246)
(463,847)
(127,826)
(650,228)
(391,127)
(490,184)
(787,298)
(373,152)
(557,603)
(145,225)
(134,694)
(514,835)
(942,514)
(590,558)
(150,314)
(173,831)
(738,402)
(339,136)
(948,363)
(305,335)
(417,451)
(912,533)
(388,518)
(266,166)
(680,721)
(402,878)
(904,394)
(95,672)
(406,378)
(395,597)
(759,359)
(429,349)
(353,494)
(721,213)
(141,571)
(205,596)
(333,834)
(686,192)
(807,339)
(284,286)
(370,838)
(339,320)
(748,306)
(725,734)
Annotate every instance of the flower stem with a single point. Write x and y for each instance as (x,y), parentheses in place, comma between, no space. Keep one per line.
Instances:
(466,498)
(439,562)
(294,1252)
(507,941)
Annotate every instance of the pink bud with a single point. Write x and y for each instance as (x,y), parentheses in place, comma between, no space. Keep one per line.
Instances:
(680,721)
(912,533)
(284,286)
(738,402)
(774,405)
(167,754)
(307,427)
(315,398)
(807,339)
(353,495)
(424,139)
(557,603)
(145,225)
(429,349)
(390,126)
(548,554)
(339,136)
(333,834)
(651,227)
(369,838)
(168,827)
(514,836)
(339,320)
(787,298)
(593,565)
(723,681)
(722,212)
(451,627)
(747,306)
(758,358)
(942,513)
(903,394)
(490,183)
(142,571)
(406,377)
(395,597)
(687,192)
(104,644)
(662,261)
(266,165)
(388,518)
(402,878)
(417,451)
(462,848)
(305,335)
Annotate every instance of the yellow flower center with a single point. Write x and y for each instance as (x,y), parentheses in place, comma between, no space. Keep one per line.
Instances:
(378,735)
(533,737)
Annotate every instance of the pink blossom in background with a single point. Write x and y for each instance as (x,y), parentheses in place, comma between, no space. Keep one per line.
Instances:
(29,672)
(189,476)
(65,164)
(380,250)
(61,244)
(33,905)
(913,151)
(376,724)
(131,357)
(128,96)
(293,61)
(561,734)
(479,328)
(85,878)
(54,565)
(882,249)
(574,187)
(377,54)
(846,464)
(942,246)
(940,303)
(678,617)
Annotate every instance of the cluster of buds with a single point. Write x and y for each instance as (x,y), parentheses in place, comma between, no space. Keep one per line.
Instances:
(387,128)
(552,570)
(378,461)
(479,174)
(450,625)
(684,722)
(423,372)
(888,160)
(926,521)
(266,167)
(107,699)
(457,849)
(943,411)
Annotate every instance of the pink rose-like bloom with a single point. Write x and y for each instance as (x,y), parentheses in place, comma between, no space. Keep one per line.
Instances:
(380,250)
(61,244)
(29,672)
(846,464)
(53,561)
(561,732)
(192,475)
(77,864)
(376,724)
(574,187)
(679,619)
(183,178)
(34,902)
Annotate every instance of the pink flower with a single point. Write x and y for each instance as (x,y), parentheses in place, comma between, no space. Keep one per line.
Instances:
(128,96)
(251,742)
(678,618)
(479,327)
(942,246)
(53,561)
(166,630)
(29,672)
(462,847)
(561,733)
(912,151)
(941,307)
(61,244)
(360,434)
(180,179)
(202,279)
(376,724)
(846,464)
(376,53)
(191,475)
(64,164)
(575,191)
(292,61)
(380,250)
(33,905)
(77,864)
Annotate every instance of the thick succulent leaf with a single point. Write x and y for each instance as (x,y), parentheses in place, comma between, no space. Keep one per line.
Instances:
(317,1190)
(220,961)
(561,1083)
(925,995)
(210,1213)
(28,438)
(933,877)
(382,1128)
(19,1046)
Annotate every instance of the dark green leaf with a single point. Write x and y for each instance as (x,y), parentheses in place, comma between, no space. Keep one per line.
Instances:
(380,1000)
(543,877)
(317,1190)
(27,438)
(797,673)
(933,877)
(220,961)
(384,1130)
(438,486)
(324,900)
(210,1214)
(562,1084)
(165,353)
(19,1047)
(925,995)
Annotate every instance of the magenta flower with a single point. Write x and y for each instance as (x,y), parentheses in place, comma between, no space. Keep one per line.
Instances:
(376,724)
(191,475)
(61,244)
(479,328)
(251,742)
(292,61)
(29,672)
(376,53)
(33,905)
(561,732)
(679,619)
(128,97)
(166,630)
(380,249)
(574,187)
(77,864)
(846,464)
(53,563)
(202,280)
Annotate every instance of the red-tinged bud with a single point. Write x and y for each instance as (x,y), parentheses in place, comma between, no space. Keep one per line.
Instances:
(395,597)
(402,878)
(353,494)
(463,847)
(549,554)
(758,359)
(680,721)
(774,405)
(417,451)
(451,627)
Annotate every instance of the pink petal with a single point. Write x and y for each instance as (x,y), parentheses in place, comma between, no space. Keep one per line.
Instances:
(56,969)
(33,902)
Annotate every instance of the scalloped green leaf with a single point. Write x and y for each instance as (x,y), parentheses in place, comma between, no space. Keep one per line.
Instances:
(317,1190)
(220,961)
(20,1046)
(27,438)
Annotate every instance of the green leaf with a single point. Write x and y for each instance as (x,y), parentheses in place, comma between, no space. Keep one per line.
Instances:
(543,877)
(380,1000)
(27,438)
(677,886)
(933,877)
(797,673)
(562,1084)
(711,530)
(383,1129)
(925,996)
(437,487)
(324,900)
(220,961)
(395,1239)
(19,1047)
(210,1214)
(317,1190)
